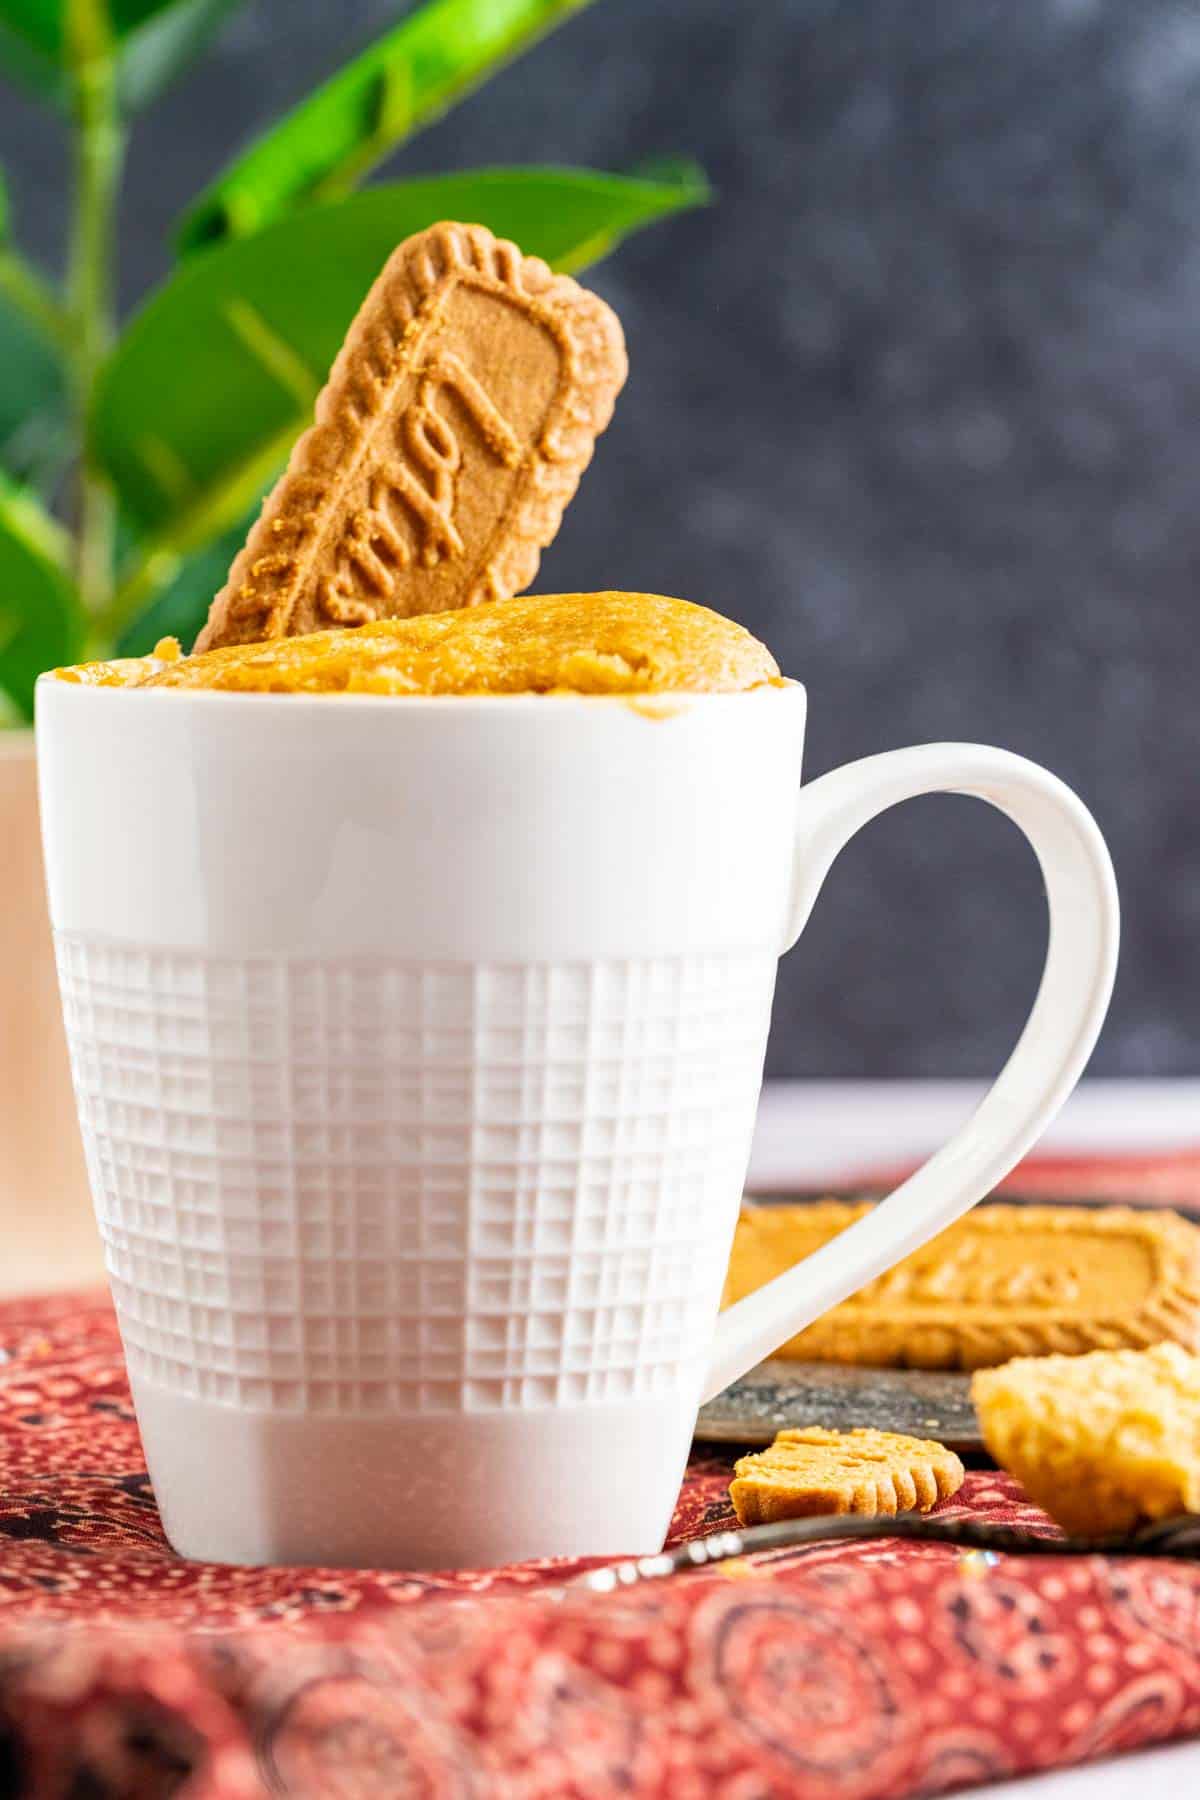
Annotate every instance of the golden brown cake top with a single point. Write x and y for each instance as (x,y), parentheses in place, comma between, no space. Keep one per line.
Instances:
(608,643)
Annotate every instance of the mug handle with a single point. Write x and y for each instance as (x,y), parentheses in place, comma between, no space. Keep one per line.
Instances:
(1050,1055)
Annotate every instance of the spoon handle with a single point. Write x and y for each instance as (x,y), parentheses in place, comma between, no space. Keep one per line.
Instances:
(1179,1537)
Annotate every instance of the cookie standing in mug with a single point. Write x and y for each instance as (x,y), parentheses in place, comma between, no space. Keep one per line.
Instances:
(458,418)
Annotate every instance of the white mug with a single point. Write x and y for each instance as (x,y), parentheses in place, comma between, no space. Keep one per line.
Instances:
(417,1044)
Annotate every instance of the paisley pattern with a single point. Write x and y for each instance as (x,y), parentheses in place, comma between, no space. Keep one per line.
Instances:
(871,1671)
(1006,1628)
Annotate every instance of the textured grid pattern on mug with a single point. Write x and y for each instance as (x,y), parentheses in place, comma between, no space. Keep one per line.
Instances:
(447,1352)
(384,1185)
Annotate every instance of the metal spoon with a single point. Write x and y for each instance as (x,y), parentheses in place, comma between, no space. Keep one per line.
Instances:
(1179,1536)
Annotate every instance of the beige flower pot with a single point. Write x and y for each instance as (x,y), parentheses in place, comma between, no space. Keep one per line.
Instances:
(47,1234)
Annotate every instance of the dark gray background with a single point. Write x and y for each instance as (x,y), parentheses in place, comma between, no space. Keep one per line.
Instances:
(917,399)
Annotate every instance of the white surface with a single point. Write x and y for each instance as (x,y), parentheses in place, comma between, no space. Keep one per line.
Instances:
(835,1131)
(1171,1772)
(351,1207)
(817,1131)
(491,828)
(409,1188)
(417,1050)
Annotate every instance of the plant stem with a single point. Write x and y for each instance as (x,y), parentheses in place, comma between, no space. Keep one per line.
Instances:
(99,148)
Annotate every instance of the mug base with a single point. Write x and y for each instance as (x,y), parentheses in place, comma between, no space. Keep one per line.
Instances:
(417,1491)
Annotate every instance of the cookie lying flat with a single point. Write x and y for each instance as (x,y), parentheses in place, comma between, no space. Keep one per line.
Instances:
(819,1471)
(1102,1442)
(1005,1281)
(459,415)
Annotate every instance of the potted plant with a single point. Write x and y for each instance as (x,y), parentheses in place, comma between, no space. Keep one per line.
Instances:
(131,460)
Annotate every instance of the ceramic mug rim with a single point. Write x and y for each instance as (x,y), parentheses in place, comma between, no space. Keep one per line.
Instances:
(652,705)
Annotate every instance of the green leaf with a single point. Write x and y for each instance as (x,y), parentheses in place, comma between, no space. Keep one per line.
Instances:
(153,40)
(34,397)
(34,413)
(403,81)
(181,604)
(217,374)
(38,24)
(41,622)
(34,403)
(151,56)
(26,290)
(24,57)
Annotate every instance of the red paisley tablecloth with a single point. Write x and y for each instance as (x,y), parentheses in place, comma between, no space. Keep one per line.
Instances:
(857,1671)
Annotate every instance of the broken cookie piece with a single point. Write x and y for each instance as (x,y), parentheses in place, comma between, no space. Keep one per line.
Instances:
(1103,1442)
(815,1471)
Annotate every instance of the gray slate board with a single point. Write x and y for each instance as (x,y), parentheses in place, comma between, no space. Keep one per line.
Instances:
(777,1394)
